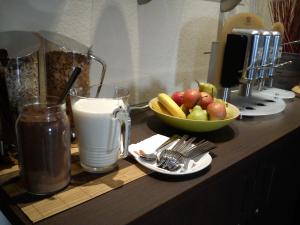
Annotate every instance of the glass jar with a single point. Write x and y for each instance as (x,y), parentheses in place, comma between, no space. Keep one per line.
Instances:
(62,55)
(43,137)
(19,71)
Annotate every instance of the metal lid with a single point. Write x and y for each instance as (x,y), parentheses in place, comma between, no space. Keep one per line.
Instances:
(245,31)
(64,42)
(275,33)
(265,32)
(19,44)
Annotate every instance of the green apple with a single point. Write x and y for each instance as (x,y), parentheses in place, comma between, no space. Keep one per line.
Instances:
(197,114)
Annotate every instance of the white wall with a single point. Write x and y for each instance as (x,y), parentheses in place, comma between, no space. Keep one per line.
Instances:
(153,47)
(150,48)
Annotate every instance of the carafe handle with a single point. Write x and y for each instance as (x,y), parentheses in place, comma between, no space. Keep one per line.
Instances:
(125,126)
(98,60)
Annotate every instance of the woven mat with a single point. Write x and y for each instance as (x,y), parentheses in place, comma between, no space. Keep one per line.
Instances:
(83,187)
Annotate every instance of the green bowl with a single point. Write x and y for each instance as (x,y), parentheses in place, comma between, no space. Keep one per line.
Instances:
(197,125)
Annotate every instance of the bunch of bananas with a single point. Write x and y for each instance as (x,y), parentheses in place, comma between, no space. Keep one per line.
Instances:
(167,105)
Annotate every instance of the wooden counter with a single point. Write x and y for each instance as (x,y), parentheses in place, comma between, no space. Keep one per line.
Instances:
(253,176)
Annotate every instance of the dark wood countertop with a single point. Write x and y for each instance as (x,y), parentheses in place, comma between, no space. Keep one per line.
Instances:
(235,143)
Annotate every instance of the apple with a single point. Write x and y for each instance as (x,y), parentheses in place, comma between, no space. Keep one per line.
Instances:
(216,111)
(177,96)
(190,98)
(205,99)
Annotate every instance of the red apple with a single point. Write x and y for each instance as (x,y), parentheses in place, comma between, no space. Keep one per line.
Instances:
(177,96)
(190,98)
(216,111)
(205,99)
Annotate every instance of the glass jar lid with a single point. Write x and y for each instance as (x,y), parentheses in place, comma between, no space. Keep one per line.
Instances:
(64,42)
(19,44)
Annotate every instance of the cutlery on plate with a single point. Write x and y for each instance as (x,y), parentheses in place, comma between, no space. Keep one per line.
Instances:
(173,160)
(153,156)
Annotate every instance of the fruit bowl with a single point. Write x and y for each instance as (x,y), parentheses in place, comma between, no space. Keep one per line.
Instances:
(196,125)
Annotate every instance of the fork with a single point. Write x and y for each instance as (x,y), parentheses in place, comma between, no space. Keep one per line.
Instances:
(179,146)
(176,160)
(184,144)
(173,160)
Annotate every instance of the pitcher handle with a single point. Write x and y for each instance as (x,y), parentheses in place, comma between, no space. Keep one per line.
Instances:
(125,123)
(98,60)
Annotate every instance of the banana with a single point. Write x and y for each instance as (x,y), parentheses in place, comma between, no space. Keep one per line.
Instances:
(296,89)
(157,106)
(170,105)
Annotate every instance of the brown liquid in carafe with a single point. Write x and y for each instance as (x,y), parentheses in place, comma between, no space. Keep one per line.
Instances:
(44,144)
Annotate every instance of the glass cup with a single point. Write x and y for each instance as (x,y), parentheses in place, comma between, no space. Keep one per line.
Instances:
(102,125)
(43,137)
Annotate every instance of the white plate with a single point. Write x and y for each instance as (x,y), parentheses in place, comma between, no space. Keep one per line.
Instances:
(194,165)
(277,93)
(258,104)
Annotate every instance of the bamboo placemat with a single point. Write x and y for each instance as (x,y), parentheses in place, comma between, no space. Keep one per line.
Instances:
(83,187)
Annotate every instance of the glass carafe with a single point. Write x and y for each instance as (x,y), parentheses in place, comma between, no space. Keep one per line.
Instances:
(43,135)
(19,77)
(102,125)
(62,55)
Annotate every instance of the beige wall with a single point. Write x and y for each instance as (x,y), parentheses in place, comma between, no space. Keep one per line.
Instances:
(154,47)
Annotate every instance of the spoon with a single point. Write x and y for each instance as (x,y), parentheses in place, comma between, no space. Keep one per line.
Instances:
(71,81)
